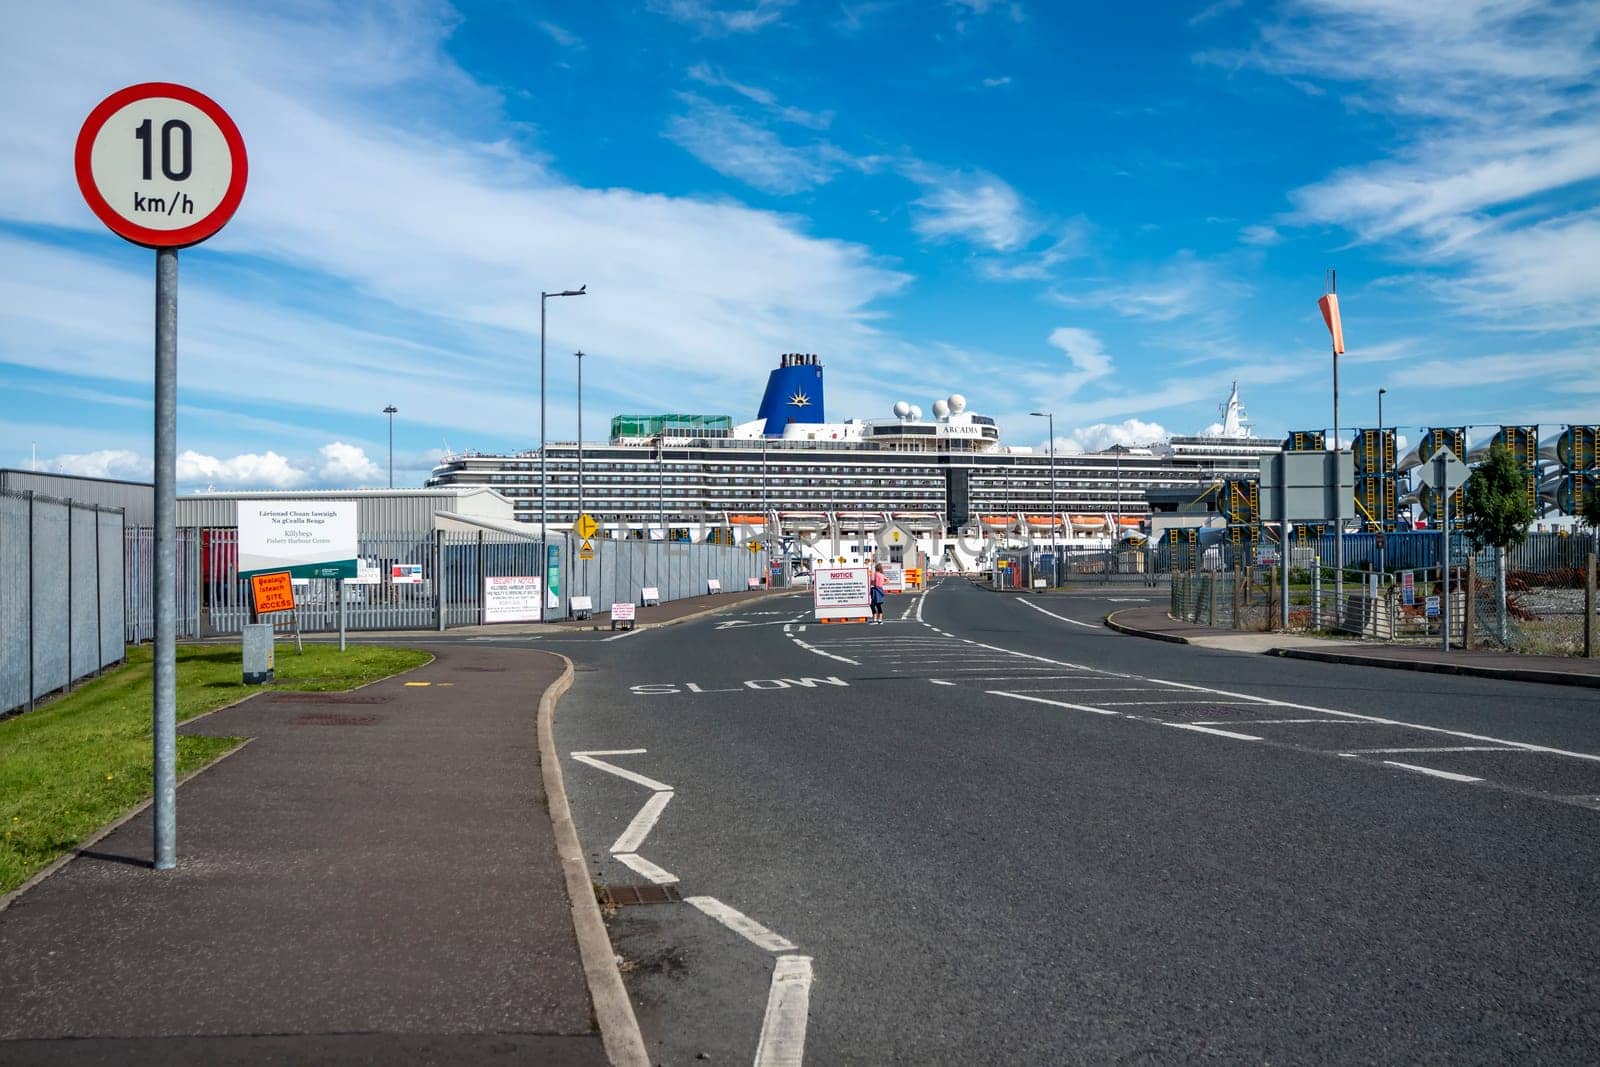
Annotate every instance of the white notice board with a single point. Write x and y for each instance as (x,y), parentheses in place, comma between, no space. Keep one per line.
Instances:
(511,599)
(290,534)
(894,576)
(841,593)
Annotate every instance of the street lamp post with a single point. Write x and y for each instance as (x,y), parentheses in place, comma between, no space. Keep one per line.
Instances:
(544,470)
(579,354)
(390,411)
(1055,553)
(1383,484)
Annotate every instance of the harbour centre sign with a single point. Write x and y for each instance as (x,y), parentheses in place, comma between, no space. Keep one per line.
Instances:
(307,538)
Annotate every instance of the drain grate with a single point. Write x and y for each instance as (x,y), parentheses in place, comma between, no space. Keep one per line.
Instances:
(331,719)
(623,895)
(328,698)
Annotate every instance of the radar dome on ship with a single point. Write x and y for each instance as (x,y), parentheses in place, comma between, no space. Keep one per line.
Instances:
(901,409)
(916,413)
(941,408)
(958,403)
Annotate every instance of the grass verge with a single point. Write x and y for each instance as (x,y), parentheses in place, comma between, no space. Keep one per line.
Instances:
(75,764)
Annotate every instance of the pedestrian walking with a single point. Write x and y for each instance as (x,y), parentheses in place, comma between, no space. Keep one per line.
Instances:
(879,584)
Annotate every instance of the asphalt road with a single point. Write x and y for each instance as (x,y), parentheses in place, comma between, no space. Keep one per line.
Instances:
(994,831)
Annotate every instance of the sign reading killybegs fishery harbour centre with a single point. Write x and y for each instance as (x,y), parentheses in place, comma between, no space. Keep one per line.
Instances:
(839,594)
(307,538)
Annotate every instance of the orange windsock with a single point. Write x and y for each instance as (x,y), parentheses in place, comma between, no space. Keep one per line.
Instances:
(1329,303)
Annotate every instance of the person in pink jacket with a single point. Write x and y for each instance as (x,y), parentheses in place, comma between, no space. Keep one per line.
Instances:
(879,584)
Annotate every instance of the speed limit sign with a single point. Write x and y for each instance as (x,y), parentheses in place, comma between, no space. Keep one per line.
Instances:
(162,165)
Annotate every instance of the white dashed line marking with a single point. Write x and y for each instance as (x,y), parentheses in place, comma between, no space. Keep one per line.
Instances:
(783,1029)
(642,823)
(640,865)
(741,924)
(1450,776)
(1053,615)
(1053,703)
(1211,730)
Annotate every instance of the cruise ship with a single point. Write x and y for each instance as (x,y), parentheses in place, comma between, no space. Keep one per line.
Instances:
(941,490)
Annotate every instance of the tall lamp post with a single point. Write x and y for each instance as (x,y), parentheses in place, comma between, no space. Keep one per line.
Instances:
(544,470)
(1055,553)
(1383,484)
(390,411)
(579,355)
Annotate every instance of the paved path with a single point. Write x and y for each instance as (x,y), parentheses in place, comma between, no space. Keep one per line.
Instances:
(373,878)
(1152,620)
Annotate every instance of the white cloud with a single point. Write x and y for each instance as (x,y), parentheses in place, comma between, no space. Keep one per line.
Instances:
(1212,10)
(1183,288)
(561,36)
(1260,235)
(1035,264)
(1496,117)
(979,8)
(104,463)
(248,471)
(997,82)
(1130,433)
(1084,351)
(713,18)
(718,137)
(438,242)
(972,205)
(706,74)
(348,466)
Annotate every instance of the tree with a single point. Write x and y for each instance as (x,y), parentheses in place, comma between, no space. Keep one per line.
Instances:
(1589,510)
(1498,508)
(1499,512)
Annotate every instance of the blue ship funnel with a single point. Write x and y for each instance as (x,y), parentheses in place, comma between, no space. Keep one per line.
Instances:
(794,393)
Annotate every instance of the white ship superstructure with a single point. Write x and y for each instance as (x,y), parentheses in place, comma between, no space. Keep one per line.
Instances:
(941,489)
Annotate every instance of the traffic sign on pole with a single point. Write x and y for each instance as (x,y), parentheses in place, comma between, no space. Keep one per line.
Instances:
(586,526)
(162,166)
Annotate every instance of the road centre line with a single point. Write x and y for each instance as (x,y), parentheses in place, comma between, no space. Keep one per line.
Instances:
(1270,702)
(1211,730)
(1053,615)
(818,651)
(1053,703)
(626,633)
(1273,722)
(622,772)
(640,865)
(1402,751)
(1171,703)
(642,823)
(1450,776)
(741,924)
(940,681)
(783,1028)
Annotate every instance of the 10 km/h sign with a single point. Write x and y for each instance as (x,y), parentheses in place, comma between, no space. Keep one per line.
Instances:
(161,165)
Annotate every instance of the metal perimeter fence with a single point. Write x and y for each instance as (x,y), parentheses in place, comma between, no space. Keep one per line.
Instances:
(61,594)
(443,579)
(1540,598)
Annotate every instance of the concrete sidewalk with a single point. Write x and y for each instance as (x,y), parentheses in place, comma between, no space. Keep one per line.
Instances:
(373,878)
(1154,622)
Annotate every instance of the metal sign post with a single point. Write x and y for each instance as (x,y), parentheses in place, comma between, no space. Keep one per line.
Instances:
(162,166)
(1449,474)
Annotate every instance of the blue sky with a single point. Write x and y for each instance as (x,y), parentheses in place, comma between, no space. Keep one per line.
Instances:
(1108,211)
